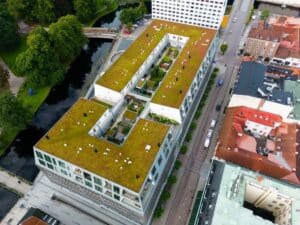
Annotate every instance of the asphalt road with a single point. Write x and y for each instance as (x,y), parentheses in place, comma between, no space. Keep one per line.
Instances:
(195,162)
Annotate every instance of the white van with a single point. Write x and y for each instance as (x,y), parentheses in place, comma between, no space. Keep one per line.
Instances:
(212,124)
(207,142)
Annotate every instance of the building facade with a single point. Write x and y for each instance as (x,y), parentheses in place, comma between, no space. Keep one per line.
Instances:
(117,149)
(194,12)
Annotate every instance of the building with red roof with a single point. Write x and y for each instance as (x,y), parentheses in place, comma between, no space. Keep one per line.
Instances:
(260,141)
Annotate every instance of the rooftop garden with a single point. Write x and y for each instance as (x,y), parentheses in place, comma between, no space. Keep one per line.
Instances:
(169,93)
(150,82)
(126,164)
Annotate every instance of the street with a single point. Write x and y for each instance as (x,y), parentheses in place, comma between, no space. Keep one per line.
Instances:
(195,164)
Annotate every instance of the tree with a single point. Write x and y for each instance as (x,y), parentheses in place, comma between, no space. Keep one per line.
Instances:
(12,112)
(85,9)
(158,212)
(9,36)
(177,164)
(224,48)
(20,9)
(40,62)
(165,195)
(67,37)
(265,14)
(172,179)
(43,11)
(130,15)
(63,7)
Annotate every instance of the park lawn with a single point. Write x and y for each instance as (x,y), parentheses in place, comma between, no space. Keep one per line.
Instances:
(32,103)
(102,11)
(10,57)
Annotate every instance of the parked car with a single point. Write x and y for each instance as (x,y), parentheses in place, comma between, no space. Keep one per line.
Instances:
(218,107)
(209,133)
(212,124)
(207,142)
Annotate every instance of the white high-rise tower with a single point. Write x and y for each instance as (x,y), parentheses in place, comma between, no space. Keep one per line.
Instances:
(203,13)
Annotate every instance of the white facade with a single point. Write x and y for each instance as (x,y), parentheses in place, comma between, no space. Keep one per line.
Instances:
(257,129)
(203,13)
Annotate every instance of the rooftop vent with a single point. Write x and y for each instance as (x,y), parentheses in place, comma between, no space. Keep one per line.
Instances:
(148,147)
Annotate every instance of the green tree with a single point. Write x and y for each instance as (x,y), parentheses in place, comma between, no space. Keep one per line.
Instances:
(20,9)
(165,195)
(12,112)
(85,9)
(224,48)
(43,11)
(63,7)
(265,14)
(9,36)
(158,212)
(172,179)
(130,15)
(67,36)
(177,164)
(40,62)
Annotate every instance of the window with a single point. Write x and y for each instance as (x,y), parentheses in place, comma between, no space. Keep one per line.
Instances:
(116,189)
(87,176)
(54,161)
(87,183)
(97,181)
(64,172)
(39,155)
(117,197)
(50,166)
(159,160)
(62,164)
(42,162)
(98,188)
(48,159)
(153,170)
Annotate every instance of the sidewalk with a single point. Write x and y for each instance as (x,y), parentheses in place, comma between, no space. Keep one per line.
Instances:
(13,183)
(14,82)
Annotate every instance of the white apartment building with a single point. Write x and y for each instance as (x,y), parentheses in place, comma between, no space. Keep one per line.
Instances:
(203,13)
(118,148)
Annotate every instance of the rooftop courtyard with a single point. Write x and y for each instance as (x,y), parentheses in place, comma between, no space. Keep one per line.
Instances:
(126,164)
(177,81)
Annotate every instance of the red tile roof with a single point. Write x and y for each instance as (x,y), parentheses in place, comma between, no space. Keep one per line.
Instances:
(257,116)
(282,162)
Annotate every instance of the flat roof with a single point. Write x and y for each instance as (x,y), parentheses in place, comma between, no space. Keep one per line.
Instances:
(282,161)
(294,87)
(230,210)
(252,78)
(122,71)
(126,164)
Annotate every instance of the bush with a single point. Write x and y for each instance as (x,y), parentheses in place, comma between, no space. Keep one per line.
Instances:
(193,126)
(165,195)
(177,164)
(189,136)
(198,114)
(172,180)
(158,212)
(167,59)
(183,149)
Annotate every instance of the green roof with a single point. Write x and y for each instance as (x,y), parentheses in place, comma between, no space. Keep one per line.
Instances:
(110,160)
(171,92)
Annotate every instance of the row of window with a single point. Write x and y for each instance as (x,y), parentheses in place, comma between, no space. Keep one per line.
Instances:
(85,178)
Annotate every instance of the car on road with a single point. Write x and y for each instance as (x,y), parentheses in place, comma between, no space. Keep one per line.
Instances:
(209,133)
(212,124)
(206,143)
(234,19)
(220,82)
(218,107)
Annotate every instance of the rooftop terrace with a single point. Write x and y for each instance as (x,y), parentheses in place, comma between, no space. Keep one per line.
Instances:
(122,71)
(126,164)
